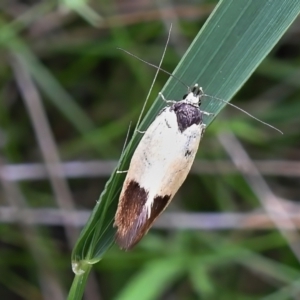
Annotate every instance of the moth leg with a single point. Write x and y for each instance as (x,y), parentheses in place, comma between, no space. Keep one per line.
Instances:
(207,113)
(121,172)
(163,97)
(139,131)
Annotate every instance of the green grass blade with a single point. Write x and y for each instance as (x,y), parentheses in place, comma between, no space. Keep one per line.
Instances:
(235,39)
(43,77)
(160,273)
(79,282)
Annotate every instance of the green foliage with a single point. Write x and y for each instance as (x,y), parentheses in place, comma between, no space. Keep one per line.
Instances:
(222,57)
(91,92)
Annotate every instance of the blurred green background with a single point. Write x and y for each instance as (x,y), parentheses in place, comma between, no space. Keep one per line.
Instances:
(67,96)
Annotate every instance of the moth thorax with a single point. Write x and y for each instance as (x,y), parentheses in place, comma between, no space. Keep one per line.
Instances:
(193,98)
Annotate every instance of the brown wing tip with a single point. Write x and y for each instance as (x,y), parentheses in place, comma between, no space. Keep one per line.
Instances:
(126,241)
(123,243)
(128,236)
(130,232)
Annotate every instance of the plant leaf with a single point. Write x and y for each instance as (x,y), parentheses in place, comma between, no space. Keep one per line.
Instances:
(232,43)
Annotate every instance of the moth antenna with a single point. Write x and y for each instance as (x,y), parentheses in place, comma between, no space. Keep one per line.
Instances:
(126,139)
(123,150)
(157,67)
(154,66)
(188,87)
(245,112)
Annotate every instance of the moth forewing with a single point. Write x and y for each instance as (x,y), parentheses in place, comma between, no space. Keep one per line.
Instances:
(158,167)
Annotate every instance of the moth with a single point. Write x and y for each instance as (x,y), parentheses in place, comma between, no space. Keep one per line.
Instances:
(161,162)
(159,166)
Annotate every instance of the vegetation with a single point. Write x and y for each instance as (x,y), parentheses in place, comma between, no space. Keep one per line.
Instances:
(67,99)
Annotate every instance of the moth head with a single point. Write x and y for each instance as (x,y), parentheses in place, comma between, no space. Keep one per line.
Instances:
(194,95)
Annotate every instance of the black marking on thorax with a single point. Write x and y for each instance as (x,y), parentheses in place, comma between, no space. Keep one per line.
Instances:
(187,115)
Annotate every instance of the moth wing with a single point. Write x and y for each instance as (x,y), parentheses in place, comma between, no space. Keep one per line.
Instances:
(132,219)
(158,168)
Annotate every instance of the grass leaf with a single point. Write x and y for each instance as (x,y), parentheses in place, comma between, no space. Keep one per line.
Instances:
(229,47)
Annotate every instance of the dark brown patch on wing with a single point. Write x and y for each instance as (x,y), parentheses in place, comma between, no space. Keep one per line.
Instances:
(130,207)
(187,153)
(187,115)
(142,225)
(132,218)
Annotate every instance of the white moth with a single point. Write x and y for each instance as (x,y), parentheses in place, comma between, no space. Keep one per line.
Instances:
(161,163)
(159,166)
